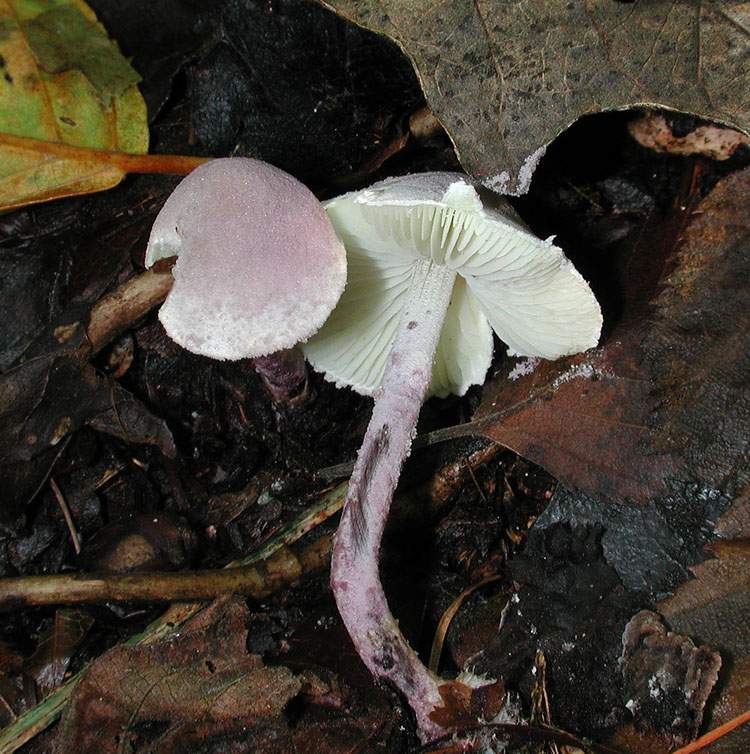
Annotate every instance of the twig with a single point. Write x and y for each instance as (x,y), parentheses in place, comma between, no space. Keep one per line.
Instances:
(256,581)
(714,735)
(128,163)
(57,492)
(447,618)
(35,720)
(115,312)
(474,479)
(40,486)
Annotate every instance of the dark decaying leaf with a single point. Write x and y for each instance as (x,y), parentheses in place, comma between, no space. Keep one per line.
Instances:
(159,37)
(666,678)
(506,78)
(293,84)
(665,399)
(199,689)
(650,546)
(49,663)
(46,398)
(198,685)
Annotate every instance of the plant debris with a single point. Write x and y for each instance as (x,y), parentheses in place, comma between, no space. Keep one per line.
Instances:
(625,514)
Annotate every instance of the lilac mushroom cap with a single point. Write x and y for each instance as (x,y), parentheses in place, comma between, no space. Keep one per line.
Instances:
(259,266)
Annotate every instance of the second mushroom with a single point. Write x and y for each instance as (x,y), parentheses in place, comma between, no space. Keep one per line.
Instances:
(432,270)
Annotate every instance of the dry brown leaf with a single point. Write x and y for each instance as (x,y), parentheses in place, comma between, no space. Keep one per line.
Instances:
(505,78)
(665,398)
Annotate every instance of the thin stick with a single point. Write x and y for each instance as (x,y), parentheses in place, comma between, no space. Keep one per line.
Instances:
(57,492)
(118,310)
(63,445)
(714,735)
(128,163)
(256,581)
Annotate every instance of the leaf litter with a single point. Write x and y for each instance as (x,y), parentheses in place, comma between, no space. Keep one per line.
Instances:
(635,536)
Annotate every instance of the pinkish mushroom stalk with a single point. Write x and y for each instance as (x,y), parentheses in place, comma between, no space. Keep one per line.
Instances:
(284,376)
(431,272)
(354,571)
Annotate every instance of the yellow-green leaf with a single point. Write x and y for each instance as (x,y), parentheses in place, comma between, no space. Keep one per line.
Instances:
(63,80)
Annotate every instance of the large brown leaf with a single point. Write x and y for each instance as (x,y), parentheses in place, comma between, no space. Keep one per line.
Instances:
(665,399)
(505,78)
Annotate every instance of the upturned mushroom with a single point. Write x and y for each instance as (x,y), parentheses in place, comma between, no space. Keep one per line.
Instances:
(259,267)
(433,268)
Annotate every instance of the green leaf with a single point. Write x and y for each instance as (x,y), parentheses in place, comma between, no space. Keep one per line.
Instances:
(63,39)
(53,88)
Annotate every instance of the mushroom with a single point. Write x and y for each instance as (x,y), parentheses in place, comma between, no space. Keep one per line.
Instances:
(432,270)
(259,267)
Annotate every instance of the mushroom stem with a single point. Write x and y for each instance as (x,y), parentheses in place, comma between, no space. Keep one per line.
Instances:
(284,375)
(355,577)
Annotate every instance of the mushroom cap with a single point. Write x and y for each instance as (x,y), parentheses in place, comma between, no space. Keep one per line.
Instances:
(259,267)
(508,280)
